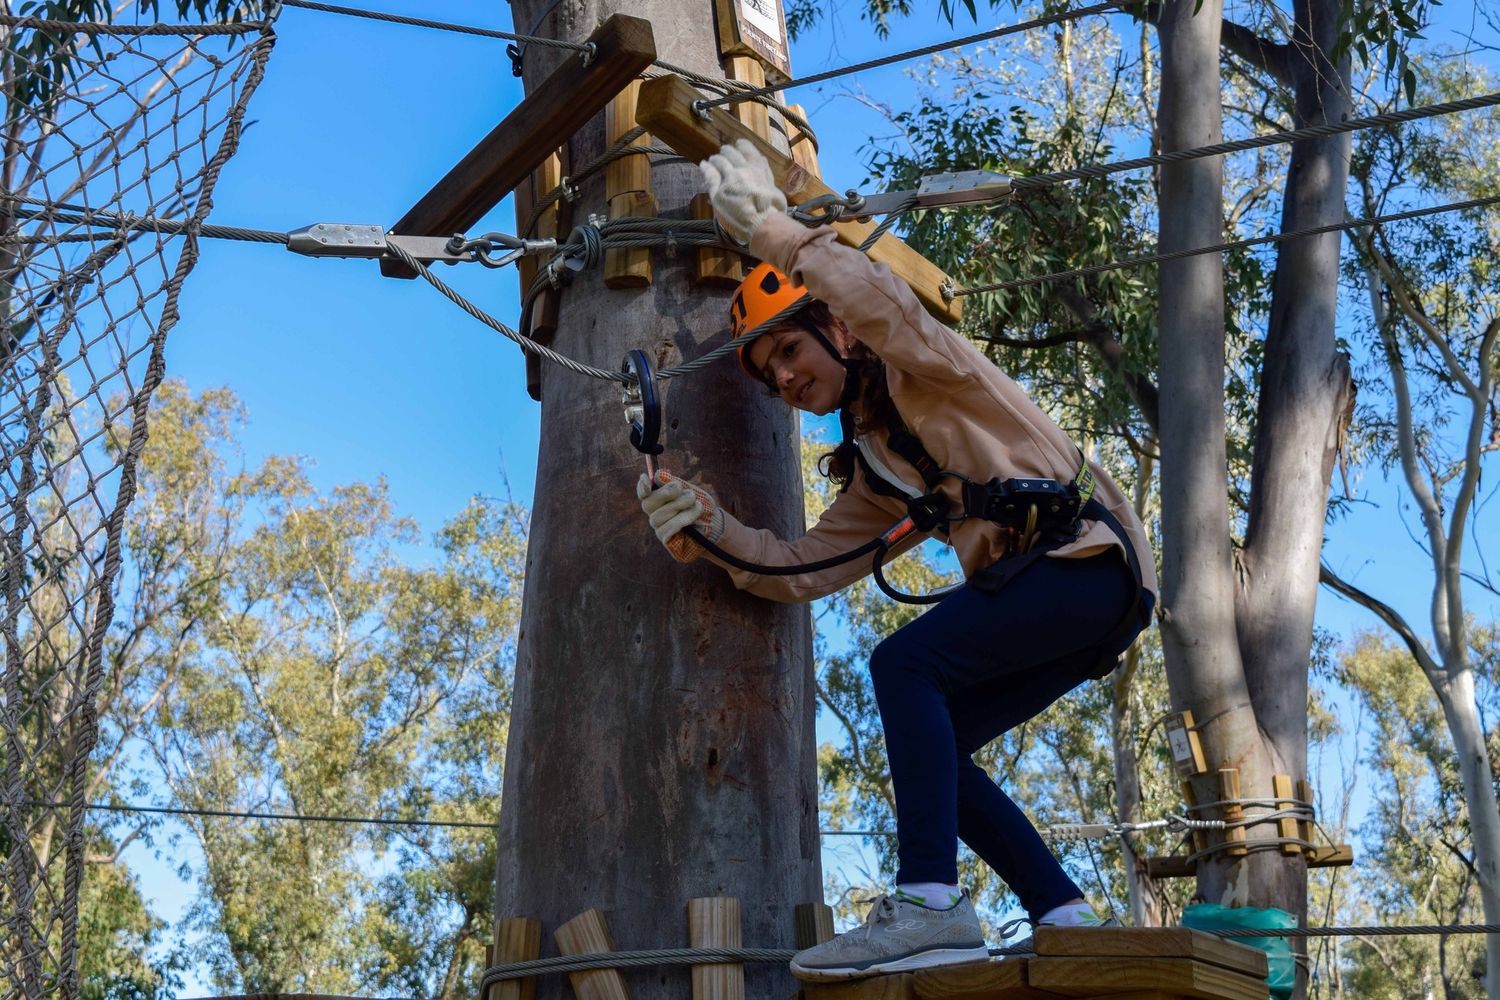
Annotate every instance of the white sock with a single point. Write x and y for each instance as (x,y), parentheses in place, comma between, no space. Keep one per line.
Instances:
(1070,915)
(933,895)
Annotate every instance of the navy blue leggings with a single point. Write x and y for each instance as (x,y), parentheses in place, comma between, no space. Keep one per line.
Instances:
(977,664)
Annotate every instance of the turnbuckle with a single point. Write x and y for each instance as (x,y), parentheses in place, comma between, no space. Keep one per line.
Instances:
(484,248)
(642,405)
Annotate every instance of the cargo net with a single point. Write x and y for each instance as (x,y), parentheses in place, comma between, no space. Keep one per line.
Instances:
(113,138)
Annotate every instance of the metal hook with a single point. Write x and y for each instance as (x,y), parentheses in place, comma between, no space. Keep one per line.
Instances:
(642,405)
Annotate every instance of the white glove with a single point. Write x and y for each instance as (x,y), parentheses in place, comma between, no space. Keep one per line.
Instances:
(676,504)
(741,187)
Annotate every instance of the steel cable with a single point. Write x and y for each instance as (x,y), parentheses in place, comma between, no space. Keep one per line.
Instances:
(463,29)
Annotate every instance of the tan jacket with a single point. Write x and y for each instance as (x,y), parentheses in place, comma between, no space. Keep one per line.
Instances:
(969,415)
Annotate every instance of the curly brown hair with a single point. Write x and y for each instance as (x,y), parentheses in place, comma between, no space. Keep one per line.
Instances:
(868,396)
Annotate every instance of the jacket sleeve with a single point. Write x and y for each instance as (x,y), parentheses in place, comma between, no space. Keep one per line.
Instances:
(849,522)
(882,311)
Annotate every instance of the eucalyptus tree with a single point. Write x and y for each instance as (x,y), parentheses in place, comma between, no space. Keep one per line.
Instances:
(1432,324)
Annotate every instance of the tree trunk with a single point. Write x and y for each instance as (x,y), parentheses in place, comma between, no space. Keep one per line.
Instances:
(1460,708)
(1198,627)
(661,741)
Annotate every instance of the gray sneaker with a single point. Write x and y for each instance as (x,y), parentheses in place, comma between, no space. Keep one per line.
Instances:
(1024,948)
(897,935)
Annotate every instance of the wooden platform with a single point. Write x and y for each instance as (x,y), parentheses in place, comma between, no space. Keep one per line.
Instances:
(1126,963)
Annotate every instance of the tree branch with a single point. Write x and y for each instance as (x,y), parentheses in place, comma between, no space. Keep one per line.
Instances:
(1392,618)
(1272,58)
(1098,335)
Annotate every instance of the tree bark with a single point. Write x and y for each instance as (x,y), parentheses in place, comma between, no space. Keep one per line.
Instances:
(661,741)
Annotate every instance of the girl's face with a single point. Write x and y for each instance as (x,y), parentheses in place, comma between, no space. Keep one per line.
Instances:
(801,370)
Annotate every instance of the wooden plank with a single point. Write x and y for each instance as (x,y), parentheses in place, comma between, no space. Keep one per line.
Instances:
(556,218)
(627,192)
(666,109)
(1093,977)
(804,153)
(1148,942)
(716,268)
(714,922)
(998,980)
(896,986)
(752,114)
(561,105)
(814,920)
(1305,826)
(1178,866)
(1233,812)
(1187,749)
(517,939)
(1190,798)
(586,934)
(1286,827)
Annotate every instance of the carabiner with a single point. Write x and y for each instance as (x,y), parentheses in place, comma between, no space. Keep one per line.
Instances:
(484,248)
(642,409)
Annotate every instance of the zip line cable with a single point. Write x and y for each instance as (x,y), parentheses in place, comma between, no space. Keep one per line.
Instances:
(1156,258)
(926,50)
(1258,141)
(463,29)
(295,817)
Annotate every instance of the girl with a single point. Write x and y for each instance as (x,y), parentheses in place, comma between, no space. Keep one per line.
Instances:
(1046,605)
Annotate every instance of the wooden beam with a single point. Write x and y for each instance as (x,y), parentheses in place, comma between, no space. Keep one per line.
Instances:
(1093,977)
(977,981)
(714,922)
(1178,866)
(1286,827)
(1148,942)
(543,121)
(1233,812)
(891,986)
(517,939)
(627,192)
(814,924)
(588,934)
(666,109)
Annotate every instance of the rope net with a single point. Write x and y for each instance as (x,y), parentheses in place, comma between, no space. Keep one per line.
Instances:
(103,124)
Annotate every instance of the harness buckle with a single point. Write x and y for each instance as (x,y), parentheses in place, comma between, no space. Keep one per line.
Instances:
(928,511)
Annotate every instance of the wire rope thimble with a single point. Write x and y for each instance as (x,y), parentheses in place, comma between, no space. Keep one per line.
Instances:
(590,50)
(948,290)
(568,188)
(642,404)
(700,109)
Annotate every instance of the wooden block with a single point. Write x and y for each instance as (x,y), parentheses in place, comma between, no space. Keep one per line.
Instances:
(752,114)
(627,192)
(714,922)
(666,109)
(1305,826)
(978,981)
(544,120)
(586,934)
(1141,995)
(1331,856)
(804,152)
(517,939)
(1286,827)
(896,986)
(755,28)
(1233,812)
(549,224)
(716,268)
(814,920)
(1148,942)
(1095,977)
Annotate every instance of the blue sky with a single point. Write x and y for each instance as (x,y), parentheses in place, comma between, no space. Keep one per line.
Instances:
(373,377)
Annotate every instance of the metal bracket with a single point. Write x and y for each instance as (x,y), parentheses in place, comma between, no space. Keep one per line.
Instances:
(337,239)
(948,190)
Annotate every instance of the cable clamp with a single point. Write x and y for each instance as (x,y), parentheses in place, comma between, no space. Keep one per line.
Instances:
(568,189)
(948,290)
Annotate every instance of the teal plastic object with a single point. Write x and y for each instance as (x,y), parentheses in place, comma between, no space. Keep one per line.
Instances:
(1282,974)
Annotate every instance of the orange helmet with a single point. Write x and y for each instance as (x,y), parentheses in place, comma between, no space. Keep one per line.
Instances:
(765,292)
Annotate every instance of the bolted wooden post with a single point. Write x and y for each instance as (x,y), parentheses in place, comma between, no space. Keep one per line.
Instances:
(588,934)
(627,192)
(517,939)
